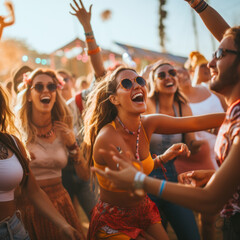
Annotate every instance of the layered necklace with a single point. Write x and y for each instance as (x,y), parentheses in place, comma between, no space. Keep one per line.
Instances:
(47,134)
(132,133)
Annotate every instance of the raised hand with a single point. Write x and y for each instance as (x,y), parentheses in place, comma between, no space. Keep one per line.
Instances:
(83,16)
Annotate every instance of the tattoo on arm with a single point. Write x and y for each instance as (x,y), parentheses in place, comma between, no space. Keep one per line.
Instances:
(3,151)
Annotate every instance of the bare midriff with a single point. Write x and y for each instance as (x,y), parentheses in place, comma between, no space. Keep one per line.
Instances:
(120,199)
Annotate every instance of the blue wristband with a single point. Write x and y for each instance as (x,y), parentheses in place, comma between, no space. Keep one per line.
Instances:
(161,188)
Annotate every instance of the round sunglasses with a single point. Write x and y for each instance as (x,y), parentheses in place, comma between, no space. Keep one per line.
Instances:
(39,87)
(171,72)
(128,84)
(220,53)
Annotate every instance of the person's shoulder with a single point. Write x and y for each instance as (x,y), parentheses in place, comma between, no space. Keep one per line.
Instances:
(106,133)
(234,111)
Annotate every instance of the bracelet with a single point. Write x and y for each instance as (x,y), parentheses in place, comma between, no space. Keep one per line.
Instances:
(162,186)
(90,40)
(160,158)
(138,180)
(198,5)
(94,51)
(72,147)
(88,34)
(201,6)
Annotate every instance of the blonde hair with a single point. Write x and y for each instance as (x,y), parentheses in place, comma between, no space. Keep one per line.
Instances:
(7,118)
(60,111)
(100,111)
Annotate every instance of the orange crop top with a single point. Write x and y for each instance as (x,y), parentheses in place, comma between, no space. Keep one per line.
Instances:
(147,165)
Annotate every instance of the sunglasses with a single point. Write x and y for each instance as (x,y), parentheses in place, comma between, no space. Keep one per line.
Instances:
(39,87)
(128,84)
(162,75)
(220,53)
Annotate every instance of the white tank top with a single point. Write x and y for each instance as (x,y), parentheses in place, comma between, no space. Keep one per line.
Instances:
(11,174)
(210,105)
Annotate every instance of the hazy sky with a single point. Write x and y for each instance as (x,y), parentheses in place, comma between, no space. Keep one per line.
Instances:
(46,25)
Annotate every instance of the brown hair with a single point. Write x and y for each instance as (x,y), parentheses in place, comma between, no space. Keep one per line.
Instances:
(100,111)
(178,96)
(234,32)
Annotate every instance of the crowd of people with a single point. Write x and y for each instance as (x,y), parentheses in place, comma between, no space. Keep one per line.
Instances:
(136,151)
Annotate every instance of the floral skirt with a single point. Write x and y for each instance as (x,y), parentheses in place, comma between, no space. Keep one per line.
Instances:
(115,220)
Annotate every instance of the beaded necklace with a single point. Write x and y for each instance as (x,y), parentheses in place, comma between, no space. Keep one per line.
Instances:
(132,133)
(46,135)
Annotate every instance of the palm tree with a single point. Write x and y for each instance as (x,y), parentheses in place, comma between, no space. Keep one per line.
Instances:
(161,28)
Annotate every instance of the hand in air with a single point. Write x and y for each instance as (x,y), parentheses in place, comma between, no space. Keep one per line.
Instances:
(83,16)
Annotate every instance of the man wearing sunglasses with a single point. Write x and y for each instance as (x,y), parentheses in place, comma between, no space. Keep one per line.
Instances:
(225,79)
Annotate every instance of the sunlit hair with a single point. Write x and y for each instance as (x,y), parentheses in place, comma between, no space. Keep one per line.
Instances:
(7,118)
(60,111)
(100,111)
(234,32)
(153,93)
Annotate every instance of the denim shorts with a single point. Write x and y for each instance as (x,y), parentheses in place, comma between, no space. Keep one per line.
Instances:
(12,228)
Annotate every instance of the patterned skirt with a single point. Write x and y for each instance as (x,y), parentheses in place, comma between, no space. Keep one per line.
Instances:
(39,227)
(115,220)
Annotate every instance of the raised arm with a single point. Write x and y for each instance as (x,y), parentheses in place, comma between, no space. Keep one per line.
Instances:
(94,50)
(3,22)
(211,18)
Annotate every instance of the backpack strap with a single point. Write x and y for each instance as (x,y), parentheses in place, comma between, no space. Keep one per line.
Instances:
(78,100)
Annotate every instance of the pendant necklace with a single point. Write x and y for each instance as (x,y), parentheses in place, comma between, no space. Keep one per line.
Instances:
(132,133)
(46,135)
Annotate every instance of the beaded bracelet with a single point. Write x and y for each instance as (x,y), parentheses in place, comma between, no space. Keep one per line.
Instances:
(90,40)
(162,186)
(88,34)
(198,5)
(138,180)
(94,51)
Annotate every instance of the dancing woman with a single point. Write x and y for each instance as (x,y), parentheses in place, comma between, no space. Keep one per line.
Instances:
(16,177)
(114,117)
(46,125)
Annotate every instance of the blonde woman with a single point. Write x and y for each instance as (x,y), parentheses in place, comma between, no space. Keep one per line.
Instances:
(46,125)
(15,174)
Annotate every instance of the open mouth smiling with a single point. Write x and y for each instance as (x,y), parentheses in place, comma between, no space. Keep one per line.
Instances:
(45,100)
(138,97)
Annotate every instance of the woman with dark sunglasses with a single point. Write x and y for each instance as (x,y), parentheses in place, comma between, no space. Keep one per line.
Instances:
(16,178)
(165,98)
(46,125)
(113,117)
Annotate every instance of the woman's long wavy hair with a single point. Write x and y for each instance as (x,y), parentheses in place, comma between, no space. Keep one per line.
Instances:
(60,111)
(153,93)
(100,111)
(7,118)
